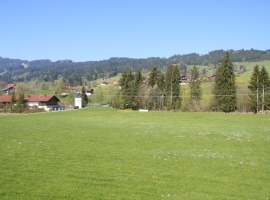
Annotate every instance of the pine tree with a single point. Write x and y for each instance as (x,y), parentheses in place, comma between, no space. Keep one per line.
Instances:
(20,103)
(172,87)
(224,88)
(156,90)
(153,77)
(254,86)
(123,79)
(176,100)
(162,93)
(264,82)
(129,90)
(127,83)
(84,97)
(138,78)
(195,87)
(123,86)
(161,82)
(168,86)
(137,84)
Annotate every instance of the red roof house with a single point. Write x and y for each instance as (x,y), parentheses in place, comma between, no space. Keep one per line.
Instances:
(41,101)
(9,88)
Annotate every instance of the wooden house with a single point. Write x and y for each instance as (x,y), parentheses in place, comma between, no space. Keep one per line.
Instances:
(41,101)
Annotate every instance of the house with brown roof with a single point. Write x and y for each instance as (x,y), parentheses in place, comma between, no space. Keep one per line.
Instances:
(46,102)
(42,101)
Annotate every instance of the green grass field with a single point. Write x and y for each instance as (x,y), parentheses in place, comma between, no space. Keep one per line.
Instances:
(99,153)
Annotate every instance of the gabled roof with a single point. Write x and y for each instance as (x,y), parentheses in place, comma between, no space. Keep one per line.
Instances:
(36,98)
(11,85)
(7,88)
(6,99)
(30,98)
(89,90)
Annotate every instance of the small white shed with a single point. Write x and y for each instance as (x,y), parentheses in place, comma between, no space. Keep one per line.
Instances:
(78,102)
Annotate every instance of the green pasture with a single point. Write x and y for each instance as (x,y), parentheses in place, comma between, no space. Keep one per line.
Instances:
(117,77)
(103,153)
(42,92)
(250,65)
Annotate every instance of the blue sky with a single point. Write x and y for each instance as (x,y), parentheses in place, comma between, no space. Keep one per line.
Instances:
(90,30)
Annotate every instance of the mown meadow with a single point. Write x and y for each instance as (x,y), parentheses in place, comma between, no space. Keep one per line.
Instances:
(103,153)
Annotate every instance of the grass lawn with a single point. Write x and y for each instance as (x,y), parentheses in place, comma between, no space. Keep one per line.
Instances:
(103,153)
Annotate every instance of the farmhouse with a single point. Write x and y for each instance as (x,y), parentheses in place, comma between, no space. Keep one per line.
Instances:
(184,80)
(41,101)
(9,88)
(89,92)
(104,83)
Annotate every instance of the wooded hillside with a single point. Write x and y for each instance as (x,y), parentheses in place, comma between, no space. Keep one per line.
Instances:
(16,70)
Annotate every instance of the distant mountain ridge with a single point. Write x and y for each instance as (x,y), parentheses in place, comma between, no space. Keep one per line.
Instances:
(16,70)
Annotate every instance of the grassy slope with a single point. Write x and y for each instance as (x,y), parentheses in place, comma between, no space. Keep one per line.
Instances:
(242,80)
(42,92)
(102,153)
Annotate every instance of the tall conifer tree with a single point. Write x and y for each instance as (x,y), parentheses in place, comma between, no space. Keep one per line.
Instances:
(153,77)
(168,86)
(224,88)
(161,82)
(195,87)
(123,79)
(172,87)
(20,103)
(176,99)
(129,89)
(137,83)
(138,78)
(127,84)
(84,97)
(264,82)
(254,85)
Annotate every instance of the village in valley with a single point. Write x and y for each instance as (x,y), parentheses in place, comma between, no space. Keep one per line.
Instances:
(134,100)
(52,102)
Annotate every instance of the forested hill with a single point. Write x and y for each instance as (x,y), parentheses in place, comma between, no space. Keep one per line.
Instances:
(16,70)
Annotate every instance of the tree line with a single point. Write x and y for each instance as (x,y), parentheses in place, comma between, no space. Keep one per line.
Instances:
(162,91)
